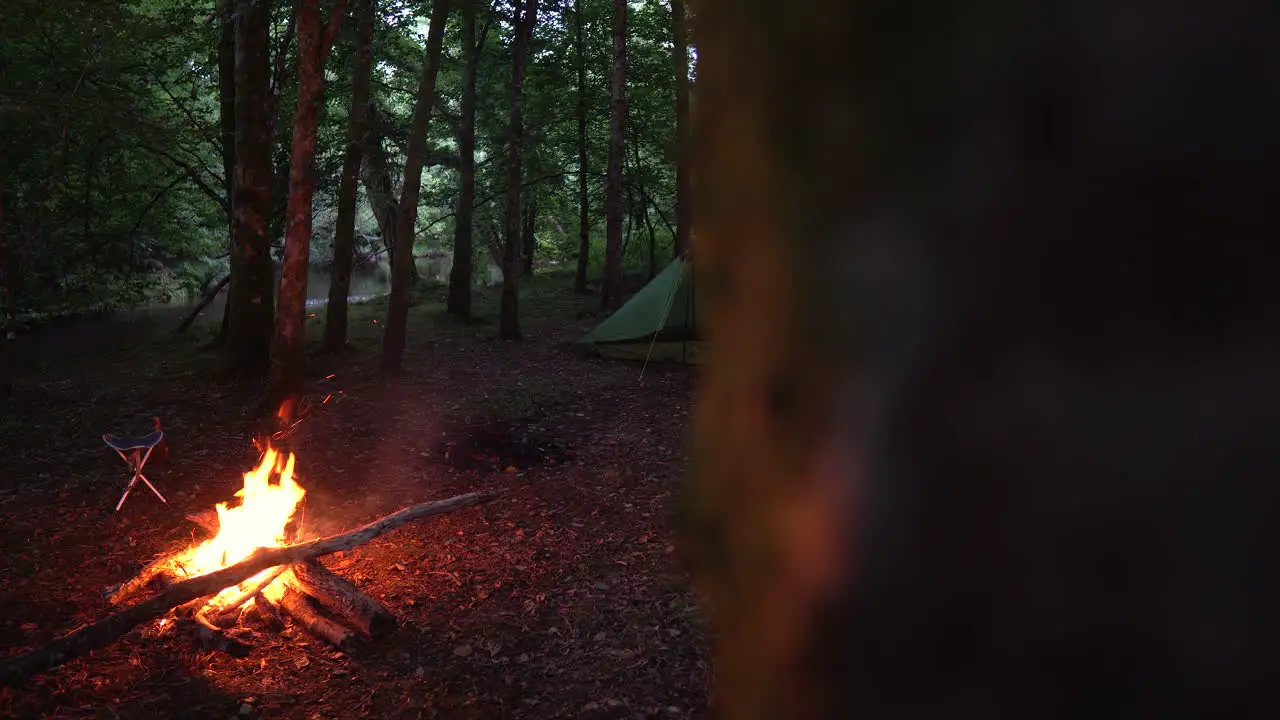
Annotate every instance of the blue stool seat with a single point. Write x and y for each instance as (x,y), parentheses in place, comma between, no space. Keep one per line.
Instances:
(135,451)
(125,444)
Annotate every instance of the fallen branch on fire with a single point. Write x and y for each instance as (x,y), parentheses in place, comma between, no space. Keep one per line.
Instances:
(16,669)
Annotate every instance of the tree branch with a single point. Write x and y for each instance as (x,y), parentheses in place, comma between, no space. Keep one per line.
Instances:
(193,174)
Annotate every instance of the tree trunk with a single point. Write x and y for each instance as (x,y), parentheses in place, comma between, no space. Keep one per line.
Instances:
(395,334)
(6,318)
(611,294)
(289,347)
(509,314)
(989,414)
(528,240)
(378,186)
(227,96)
(684,214)
(335,328)
(463,238)
(227,130)
(380,189)
(653,237)
(584,198)
(249,299)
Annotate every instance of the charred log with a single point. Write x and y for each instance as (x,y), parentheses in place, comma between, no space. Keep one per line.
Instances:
(341,597)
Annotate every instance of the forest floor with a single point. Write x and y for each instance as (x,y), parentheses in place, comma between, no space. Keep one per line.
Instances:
(566,597)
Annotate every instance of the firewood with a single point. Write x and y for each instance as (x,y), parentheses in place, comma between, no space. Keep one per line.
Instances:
(213,638)
(207,520)
(267,612)
(298,607)
(17,668)
(221,611)
(342,598)
(159,575)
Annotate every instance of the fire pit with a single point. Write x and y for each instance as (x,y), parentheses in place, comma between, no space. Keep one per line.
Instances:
(319,601)
(246,565)
(495,446)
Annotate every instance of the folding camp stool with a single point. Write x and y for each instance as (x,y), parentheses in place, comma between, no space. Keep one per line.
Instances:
(131,451)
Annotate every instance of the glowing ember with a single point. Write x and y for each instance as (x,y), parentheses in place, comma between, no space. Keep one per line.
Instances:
(259,520)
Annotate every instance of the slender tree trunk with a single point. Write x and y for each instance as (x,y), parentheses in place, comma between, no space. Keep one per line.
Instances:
(91,169)
(611,295)
(250,311)
(463,238)
(584,198)
(684,206)
(6,318)
(653,236)
(227,127)
(227,96)
(509,310)
(279,216)
(289,346)
(395,334)
(335,329)
(378,186)
(528,240)
(630,220)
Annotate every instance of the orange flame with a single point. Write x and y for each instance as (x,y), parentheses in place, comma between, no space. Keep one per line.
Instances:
(259,521)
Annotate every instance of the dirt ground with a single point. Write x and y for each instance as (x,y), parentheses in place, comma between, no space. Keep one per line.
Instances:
(565,597)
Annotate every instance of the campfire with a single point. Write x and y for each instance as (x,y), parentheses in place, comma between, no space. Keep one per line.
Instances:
(322,603)
(254,560)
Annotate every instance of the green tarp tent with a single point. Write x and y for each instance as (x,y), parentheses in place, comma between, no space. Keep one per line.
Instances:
(659,323)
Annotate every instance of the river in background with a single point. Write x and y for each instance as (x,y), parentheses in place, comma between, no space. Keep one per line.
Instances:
(118,328)
(368,281)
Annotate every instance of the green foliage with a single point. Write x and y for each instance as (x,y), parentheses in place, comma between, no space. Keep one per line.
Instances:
(109,135)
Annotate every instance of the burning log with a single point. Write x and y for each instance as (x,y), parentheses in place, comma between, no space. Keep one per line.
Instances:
(213,638)
(15,669)
(225,612)
(341,597)
(297,606)
(159,575)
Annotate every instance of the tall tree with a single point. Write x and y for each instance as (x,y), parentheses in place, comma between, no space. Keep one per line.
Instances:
(335,329)
(379,186)
(289,346)
(395,334)
(528,241)
(225,12)
(463,244)
(584,197)
(526,14)
(250,314)
(933,477)
(6,317)
(680,56)
(611,294)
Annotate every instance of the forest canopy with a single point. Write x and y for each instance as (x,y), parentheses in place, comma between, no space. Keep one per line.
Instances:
(119,139)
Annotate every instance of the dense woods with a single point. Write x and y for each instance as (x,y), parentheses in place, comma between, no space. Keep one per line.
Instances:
(262,139)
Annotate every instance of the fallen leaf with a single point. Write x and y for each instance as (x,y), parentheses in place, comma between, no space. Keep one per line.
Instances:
(462,650)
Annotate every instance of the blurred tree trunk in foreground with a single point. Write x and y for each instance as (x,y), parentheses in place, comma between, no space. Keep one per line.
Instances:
(987,425)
